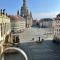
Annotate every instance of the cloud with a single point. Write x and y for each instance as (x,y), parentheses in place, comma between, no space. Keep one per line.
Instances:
(44,15)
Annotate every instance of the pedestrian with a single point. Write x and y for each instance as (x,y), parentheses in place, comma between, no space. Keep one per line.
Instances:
(39,39)
(33,39)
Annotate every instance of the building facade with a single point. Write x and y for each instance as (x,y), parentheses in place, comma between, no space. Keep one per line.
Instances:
(34,22)
(17,23)
(26,14)
(4,26)
(56,26)
(17,26)
(45,23)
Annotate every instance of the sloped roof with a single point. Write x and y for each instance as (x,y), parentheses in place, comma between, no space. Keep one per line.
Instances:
(45,19)
(57,18)
(15,18)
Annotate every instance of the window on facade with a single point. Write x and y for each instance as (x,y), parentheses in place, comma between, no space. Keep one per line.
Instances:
(59,30)
(7,27)
(58,21)
(4,28)
(1,29)
(0,26)
(56,25)
(59,25)
(55,33)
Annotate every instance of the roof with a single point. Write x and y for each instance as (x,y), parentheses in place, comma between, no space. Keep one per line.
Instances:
(57,18)
(58,15)
(15,18)
(34,20)
(46,19)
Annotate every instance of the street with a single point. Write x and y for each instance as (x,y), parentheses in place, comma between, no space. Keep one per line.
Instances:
(38,51)
(46,50)
(28,34)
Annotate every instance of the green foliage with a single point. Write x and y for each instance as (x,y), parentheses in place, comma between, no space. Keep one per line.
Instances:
(6,39)
(16,39)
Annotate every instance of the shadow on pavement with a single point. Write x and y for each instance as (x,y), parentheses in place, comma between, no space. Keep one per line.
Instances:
(46,50)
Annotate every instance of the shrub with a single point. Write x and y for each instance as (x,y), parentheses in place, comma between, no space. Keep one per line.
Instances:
(56,40)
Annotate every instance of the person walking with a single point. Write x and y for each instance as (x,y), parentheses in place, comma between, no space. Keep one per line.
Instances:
(39,39)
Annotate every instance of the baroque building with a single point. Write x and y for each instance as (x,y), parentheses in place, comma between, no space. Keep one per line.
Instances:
(17,26)
(26,14)
(56,26)
(5,27)
(45,23)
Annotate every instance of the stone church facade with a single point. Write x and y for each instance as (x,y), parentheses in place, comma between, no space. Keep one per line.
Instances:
(24,12)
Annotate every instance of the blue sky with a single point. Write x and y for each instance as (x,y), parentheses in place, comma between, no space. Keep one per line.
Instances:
(39,8)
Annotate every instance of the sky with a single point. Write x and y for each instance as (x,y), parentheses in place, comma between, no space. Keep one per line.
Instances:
(39,8)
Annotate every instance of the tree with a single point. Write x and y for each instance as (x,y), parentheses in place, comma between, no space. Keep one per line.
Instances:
(17,39)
